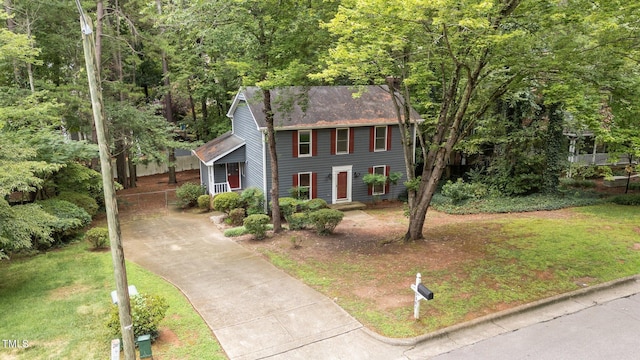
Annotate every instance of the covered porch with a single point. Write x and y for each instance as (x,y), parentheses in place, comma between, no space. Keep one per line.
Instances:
(222,164)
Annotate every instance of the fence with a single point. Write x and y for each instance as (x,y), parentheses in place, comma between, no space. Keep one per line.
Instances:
(147,202)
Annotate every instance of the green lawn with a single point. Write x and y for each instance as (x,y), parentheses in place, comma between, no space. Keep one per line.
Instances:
(58,303)
(496,264)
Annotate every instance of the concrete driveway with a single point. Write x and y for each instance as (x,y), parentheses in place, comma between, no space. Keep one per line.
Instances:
(255,310)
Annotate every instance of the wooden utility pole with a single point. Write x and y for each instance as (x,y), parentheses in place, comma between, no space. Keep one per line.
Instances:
(117,254)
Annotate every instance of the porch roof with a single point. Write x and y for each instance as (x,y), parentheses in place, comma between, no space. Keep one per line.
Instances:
(218,148)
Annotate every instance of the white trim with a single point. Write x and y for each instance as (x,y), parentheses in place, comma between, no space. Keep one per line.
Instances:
(212,178)
(310,154)
(348,140)
(384,172)
(335,170)
(386,135)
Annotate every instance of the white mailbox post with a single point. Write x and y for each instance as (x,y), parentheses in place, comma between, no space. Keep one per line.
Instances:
(422,293)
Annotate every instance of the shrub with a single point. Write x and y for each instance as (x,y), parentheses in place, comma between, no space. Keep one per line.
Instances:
(84,201)
(299,192)
(69,218)
(298,221)
(576,183)
(189,193)
(98,237)
(315,204)
(146,312)
(256,225)
(288,206)
(204,201)
(459,191)
(253,200)
(628,199)
(325,220)
(236,231)
(634,186)
(226,202)
(236,216)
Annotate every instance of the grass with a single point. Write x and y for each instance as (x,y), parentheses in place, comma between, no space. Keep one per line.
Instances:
(59,301)
(496,264)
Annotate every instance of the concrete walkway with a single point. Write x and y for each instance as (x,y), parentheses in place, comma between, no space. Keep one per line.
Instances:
(259,312)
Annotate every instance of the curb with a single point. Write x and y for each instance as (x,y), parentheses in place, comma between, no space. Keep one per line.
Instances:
(503,314)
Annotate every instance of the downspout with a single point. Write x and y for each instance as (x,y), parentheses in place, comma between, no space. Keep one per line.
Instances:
(264,172)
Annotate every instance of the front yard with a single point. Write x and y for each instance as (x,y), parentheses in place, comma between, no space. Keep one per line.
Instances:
(475,264)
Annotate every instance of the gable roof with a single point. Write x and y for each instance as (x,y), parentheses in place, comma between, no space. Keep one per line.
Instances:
(323,106)
(218,148)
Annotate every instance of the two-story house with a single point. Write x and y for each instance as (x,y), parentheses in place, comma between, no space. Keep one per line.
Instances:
(327,139)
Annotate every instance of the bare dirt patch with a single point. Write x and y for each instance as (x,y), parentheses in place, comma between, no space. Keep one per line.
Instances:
(64,292)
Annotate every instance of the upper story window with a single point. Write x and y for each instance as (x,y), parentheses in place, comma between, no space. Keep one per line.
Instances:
(304,143)
(342,141)
(380,138)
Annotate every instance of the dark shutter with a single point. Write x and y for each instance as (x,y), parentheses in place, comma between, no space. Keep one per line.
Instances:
(333,141)
(387,170)
(389,131)
(314,185)
(370,187)
(314,142)
(351,139)
(372,138)
(295,180)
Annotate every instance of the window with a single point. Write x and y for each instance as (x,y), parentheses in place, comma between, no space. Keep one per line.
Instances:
(304,186)
(304,143)
(379,189)
(380,138)
(342,141)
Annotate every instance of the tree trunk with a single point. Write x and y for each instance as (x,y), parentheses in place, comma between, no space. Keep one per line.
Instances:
(168,111)
(95,165)
(275,183)
(121,163)
(132,171)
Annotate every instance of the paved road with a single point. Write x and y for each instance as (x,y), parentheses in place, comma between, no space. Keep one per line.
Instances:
(259,312)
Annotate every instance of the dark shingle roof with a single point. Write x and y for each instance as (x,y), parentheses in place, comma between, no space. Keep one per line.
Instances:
(326,106)
(218,147)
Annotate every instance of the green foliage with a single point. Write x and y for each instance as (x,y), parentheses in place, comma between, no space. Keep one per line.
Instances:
(237,216)
(236,231)
(146,313)
(24,227)
(256,225)
(288,206)
(98,237)
(299,193)
(204,202)
(627,199)
(315,204)
(225,202)
(459,191)
(79,178)
(298,221)
(84,201)
(374,179)
(69,218)
(325,220)
(189,193)
(566,183)
(502,204)
(253,200)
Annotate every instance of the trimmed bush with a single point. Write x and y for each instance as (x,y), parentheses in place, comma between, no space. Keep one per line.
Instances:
(298,221)
(204,201)
(189,193)
(146,312)
(256,225)
(629,199)
(98,237)
(325,220)
(226,202)
(288,206)
(459,191)
(253,200)
(236,231)
(315,204)
(236,216)
(84,201)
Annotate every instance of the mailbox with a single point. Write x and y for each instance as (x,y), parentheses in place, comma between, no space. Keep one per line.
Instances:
(426,293)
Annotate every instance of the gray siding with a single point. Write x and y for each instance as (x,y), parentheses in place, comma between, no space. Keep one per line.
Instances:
(204,176)
(245,127)
(234,157)
(361,159)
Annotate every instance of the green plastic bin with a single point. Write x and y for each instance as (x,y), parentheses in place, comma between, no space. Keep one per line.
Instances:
(144,345)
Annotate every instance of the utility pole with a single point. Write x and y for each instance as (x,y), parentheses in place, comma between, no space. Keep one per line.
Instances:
(117,254)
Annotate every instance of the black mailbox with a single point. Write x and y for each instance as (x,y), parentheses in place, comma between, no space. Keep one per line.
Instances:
(426,293)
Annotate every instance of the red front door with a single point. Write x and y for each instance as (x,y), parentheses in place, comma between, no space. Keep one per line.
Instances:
(233,175)
(342,185)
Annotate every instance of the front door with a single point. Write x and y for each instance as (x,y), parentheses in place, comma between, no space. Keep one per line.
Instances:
(233,175)
(341,184)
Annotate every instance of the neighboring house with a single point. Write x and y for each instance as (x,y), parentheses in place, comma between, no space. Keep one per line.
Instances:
(326,141)
(584,149)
